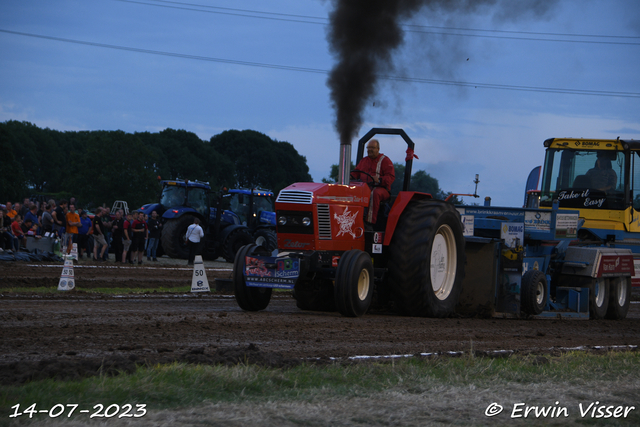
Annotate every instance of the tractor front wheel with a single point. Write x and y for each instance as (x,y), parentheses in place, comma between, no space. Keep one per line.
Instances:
(234,241)
(353,291)
(248,298)
(172,237)
(266,238)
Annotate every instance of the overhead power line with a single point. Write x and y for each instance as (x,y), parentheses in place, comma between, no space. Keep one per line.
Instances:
(420,29)
(321,71)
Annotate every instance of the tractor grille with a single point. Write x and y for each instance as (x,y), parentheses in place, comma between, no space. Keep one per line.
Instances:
(324,222)
(293,196)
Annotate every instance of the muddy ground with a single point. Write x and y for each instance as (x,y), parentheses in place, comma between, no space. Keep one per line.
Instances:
(78,333)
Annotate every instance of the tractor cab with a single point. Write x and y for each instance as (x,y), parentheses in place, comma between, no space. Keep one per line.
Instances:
(601,178)
(253,207)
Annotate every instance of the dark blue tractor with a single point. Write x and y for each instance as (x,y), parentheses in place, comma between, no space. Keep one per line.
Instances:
(225,230)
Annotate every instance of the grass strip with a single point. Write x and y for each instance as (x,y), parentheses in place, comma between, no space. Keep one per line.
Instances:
(180,386)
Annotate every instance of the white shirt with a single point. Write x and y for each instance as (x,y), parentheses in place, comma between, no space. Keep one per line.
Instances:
(195,233)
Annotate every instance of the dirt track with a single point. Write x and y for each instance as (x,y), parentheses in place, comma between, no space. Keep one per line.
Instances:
(73,334)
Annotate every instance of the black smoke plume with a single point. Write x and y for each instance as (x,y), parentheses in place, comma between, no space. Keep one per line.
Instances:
(364,34)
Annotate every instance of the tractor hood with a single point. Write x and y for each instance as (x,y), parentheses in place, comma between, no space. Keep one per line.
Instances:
(307,193)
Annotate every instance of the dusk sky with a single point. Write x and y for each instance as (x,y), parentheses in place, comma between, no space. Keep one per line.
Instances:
(478,91)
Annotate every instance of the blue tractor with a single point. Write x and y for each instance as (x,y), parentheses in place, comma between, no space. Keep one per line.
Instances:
(226,229)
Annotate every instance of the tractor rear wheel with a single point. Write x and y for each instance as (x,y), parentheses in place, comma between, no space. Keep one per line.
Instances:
(598,298)
(426,259)
(533,292)
(234,241)
(353,291)
(619,297)
(266,238)
(172,237)
(248,298)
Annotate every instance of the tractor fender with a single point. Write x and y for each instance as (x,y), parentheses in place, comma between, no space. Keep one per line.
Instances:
(178,212)
(401,202)
(268,218)
(150,207)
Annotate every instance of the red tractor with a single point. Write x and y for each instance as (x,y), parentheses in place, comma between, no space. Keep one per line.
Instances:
(414,257)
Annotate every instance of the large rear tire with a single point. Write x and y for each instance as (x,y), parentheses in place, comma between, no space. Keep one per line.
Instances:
(426,259)
(598,298)
(619,298)
(248,298)
(533,292)
(234,241)
(172,237)
(353,290)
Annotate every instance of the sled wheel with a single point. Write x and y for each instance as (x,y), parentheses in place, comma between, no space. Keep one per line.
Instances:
(619,297)
(598,298)
(353,291)
(533,292)
(248,298)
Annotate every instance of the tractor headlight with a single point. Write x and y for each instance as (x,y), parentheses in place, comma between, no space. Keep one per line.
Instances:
(282,220)
(306,221)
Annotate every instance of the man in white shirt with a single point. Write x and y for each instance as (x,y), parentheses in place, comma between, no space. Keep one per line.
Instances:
(194,235)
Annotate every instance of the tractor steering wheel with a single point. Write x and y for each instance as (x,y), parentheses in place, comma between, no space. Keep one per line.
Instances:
(370,184)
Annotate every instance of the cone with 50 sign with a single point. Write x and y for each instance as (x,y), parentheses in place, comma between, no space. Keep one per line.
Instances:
(67,280)
(199,282)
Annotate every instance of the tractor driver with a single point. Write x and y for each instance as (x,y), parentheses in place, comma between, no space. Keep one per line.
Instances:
(380,167)
(602,175)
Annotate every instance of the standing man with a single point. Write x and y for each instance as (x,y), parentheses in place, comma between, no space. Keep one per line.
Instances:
(5,233)
(194,235)
(140,233)
(98,236)
(106,222)
(47,220)
(73,222)
(154,236)
(83,234)
(117,234)
(126,241)
(380,167)
(32,214)
(59,218)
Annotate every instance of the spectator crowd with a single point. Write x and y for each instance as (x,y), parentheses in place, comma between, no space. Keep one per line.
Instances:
(131,235)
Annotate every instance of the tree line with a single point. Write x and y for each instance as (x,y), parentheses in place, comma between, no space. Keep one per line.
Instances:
(99,167)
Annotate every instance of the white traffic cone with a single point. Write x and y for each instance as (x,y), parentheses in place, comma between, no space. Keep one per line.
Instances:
(199,282)
(67,280)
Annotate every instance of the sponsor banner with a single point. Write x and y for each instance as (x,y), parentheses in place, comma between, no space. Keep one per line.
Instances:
(537,221)
(566,226)
(467,225)
(268,272)
(512,234)
(635,280)
(615,265)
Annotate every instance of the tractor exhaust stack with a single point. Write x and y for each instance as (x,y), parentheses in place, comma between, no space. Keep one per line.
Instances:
(344,168)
